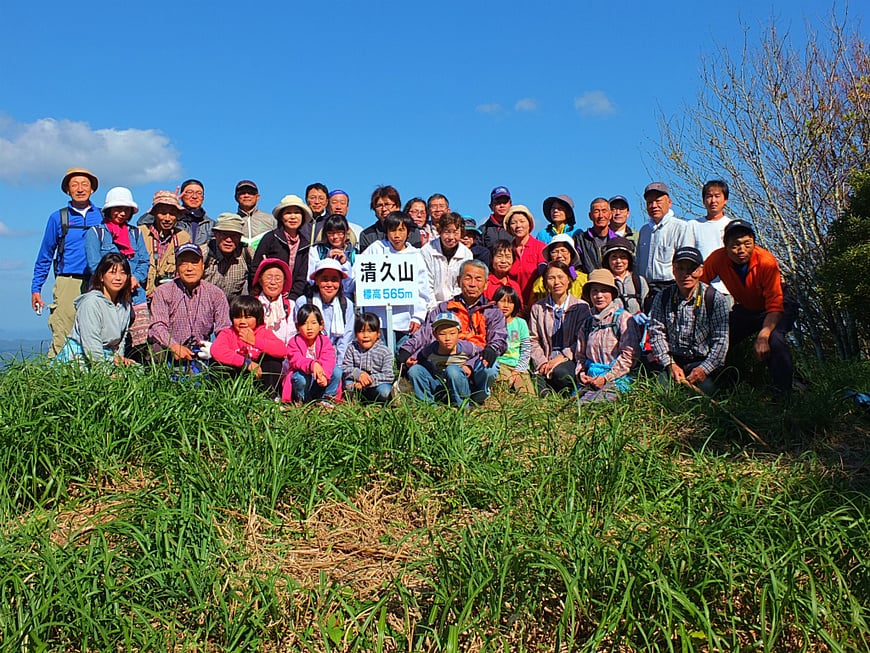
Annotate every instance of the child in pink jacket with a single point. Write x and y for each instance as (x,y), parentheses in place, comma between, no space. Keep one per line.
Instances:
(249,345)
(313,372)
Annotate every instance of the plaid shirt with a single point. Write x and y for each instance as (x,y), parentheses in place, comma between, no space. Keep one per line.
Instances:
(681,328)
(178,314)
(230,274)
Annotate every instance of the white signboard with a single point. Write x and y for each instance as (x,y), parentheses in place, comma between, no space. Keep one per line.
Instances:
(384,279)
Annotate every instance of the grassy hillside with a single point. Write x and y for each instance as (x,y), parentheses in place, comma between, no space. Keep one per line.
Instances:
(141,514)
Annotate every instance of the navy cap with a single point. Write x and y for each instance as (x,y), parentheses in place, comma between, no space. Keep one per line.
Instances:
(499,191)
(618,198)
(188,248)
(688,254)
(738,226)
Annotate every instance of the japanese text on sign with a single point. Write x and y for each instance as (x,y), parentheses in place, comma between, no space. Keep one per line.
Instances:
(384,278)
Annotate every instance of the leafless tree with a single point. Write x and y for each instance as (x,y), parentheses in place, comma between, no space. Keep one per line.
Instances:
(785,124)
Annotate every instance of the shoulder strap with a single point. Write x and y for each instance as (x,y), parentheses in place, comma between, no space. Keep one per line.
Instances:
(64,229)
(709,296)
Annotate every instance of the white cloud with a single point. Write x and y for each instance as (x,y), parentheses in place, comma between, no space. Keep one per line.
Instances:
(43,150)
(4,230)
(526,104)
(488,108)
(594,103)
(7,232)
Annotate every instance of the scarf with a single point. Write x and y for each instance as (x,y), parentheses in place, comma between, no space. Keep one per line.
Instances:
(274,311)
(121,238)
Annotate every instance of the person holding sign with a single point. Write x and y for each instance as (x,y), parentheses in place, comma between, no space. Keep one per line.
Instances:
(408,314)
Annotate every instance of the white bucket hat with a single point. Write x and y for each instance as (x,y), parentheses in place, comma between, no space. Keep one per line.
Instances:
(120,196)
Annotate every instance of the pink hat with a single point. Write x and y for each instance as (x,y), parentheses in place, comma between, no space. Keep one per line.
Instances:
(166,197)
(275,263)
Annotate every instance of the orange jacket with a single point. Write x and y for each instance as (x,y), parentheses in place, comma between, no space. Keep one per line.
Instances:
(762,291)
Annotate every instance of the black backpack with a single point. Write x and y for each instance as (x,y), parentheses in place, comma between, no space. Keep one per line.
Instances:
(65,226)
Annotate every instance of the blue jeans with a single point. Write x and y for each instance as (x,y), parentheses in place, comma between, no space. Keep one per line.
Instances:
(305,388)
(379,393)
(452,384)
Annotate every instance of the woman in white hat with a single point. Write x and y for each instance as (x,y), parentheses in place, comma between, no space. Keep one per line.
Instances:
(115,234)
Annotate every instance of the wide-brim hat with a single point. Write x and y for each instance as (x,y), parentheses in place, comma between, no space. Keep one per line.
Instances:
(519,208)
(327,264)
(618,244)
(292,200)
(75,172)
(564,199)
(601,277)
(120,196)
(563,240)
(166,197)
(275,263)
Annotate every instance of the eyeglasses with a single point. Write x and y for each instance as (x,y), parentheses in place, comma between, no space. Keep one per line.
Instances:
(193,193)
(385,205)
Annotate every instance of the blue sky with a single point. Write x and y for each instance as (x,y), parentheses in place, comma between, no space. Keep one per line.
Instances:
(454,97)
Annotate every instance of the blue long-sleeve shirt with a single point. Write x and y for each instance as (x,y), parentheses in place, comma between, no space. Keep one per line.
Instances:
(74,260)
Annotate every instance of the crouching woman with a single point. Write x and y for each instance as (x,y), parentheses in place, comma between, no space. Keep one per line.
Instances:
(102,315)
(607,341)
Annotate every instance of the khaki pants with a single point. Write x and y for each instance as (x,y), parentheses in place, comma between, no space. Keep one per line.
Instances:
(523,384)
(63,313)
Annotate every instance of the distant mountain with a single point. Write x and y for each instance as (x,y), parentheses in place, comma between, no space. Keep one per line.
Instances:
(22,348)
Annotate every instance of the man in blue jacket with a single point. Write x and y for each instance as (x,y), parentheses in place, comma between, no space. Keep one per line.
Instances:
(63,248)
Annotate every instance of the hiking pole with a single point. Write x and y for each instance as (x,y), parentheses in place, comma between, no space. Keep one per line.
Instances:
(719,405)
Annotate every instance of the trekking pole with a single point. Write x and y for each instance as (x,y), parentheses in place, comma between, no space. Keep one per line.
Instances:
(718,405)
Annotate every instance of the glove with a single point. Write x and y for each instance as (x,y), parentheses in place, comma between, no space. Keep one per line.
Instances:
(641,319)
(489,355)
(402,357)
(204,350)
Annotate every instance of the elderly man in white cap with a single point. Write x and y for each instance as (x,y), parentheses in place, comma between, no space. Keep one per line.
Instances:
(63,248)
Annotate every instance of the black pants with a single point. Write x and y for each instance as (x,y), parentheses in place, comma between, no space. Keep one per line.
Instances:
(744,323)
(269,382)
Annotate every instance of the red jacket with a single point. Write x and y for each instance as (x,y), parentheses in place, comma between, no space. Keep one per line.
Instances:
(525,268)
(494,283)
(229,349)
(762,291)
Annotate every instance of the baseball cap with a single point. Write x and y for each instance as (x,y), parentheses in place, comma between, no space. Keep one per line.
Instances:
(499,191)
(738,226)
(658,186)
(688,254)
(247,183)
(618,198)
(446,319)
(188,248)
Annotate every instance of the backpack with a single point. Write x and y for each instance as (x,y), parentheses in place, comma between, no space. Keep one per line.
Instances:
(65,226)
(590,326)
(635,281)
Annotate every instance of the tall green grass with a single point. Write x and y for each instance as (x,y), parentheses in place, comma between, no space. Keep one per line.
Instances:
(140,513)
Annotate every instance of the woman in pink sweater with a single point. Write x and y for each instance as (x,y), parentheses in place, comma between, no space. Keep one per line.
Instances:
(249,345)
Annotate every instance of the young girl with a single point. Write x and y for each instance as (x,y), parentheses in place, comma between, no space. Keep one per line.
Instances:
(607,341)
(333,242)
(313,372)
(514,364)
(249,345)
(407,317)
(443,256)
(502,260)
(367,366)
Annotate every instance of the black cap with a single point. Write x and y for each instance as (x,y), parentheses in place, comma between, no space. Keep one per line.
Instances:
(247,183)
(743,226)
(688,254)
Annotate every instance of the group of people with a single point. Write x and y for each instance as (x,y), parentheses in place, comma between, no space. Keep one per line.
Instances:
(561,308)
